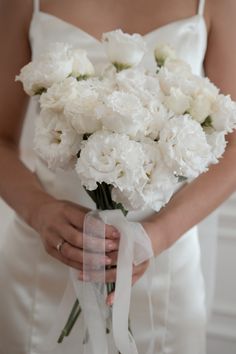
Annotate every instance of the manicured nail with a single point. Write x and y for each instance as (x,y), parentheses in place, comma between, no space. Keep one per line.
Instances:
(108,260)
(115,234)
(111,300)
(111,246)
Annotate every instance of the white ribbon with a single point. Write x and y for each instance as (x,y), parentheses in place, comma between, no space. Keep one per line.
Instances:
(134,248)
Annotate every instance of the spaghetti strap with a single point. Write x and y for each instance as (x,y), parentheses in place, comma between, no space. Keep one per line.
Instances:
(201,7)
(36,5)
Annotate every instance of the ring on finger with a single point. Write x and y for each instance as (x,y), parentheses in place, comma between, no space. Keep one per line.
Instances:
(59,245)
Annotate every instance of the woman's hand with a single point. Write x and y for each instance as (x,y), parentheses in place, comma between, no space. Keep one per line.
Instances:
(138,271)
(58,221)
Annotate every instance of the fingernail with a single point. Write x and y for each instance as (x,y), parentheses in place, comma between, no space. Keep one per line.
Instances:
(111,246)
(111,300)
(108,260)
(115,234)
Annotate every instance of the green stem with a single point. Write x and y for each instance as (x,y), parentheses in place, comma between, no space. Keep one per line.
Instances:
(71,325)
(70,318)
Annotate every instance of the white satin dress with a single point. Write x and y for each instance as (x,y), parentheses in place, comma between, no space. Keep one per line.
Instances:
(32,282)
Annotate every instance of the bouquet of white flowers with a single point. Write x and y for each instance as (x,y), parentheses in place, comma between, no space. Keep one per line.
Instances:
(132,135)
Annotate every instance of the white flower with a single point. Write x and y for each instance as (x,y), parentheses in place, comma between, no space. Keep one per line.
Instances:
(224,114)
(144,85)
(217,143)
(124,50)
(113,159)
(59,94)
(159,187)
(177,101)
(122,112)
(80,111)
(184,146)
(177,74)
(201,107)
(178,66)
(163,52)
(159,116)
(52,66)
(55,141)
(206,86)
(56,64)
(82,66)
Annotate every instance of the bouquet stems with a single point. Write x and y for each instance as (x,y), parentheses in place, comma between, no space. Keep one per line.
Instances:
(74,314)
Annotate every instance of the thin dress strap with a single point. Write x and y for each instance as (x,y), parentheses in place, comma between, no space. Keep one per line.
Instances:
(201,7)
(36,5)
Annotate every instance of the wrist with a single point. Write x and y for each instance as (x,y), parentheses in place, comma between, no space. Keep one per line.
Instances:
(157,233)
(40,199)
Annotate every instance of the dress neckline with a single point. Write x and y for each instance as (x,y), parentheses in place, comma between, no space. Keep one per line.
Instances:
(198,16)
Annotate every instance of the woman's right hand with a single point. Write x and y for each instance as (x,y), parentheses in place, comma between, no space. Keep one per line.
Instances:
(58,221)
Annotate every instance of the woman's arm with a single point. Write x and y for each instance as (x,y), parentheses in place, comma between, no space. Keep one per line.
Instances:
(53,219)
(196,200)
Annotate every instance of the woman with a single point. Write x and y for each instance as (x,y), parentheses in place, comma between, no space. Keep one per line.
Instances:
(51,206)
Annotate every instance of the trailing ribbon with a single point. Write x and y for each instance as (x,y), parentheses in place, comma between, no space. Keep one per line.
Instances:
(134,248)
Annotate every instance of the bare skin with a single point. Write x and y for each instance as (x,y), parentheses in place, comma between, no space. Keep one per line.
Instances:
(55,219)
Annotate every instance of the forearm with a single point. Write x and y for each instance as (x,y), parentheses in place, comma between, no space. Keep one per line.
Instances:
(19,187)
(195,201)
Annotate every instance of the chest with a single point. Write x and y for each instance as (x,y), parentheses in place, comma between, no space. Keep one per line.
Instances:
(141,16)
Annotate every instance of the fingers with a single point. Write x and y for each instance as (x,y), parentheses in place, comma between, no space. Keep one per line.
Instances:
(76,265)
(64,221)
(111,232)
(109,276)
(89,243)
(76,215)
(90,260)
(110,299)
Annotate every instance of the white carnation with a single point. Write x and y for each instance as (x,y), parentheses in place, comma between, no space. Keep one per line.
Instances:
(56,64)
(82,66)
(217,143)
(144,85)
(206,86)
(177,101)
(113,159)
(55,141)
(163,52)
(179,67)
(124,50)
(201,107)
(174,76)
(80,111)
(53,66)
(184,146)
(224,114)
(159,116)
(122,112)
(59,94)
(159,187)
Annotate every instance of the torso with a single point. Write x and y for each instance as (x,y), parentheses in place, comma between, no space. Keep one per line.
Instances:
(96,17)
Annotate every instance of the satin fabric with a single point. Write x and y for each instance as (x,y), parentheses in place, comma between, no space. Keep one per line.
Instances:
(33,283)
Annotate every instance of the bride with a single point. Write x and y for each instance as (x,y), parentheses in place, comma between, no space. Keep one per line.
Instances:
(45,236)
